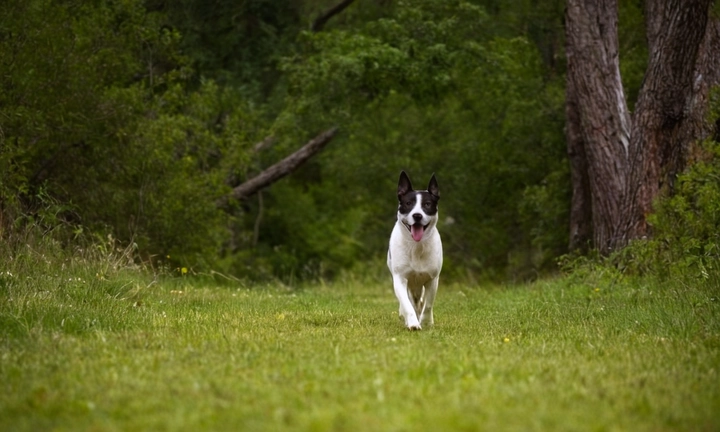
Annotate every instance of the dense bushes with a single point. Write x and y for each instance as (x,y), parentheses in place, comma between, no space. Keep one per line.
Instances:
(97,114)
(686,227)
(685,246)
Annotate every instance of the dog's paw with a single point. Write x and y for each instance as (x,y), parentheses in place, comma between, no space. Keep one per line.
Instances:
(413,325)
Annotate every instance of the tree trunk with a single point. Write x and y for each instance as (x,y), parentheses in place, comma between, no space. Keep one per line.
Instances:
(630,160)
(667,118)
(594,73)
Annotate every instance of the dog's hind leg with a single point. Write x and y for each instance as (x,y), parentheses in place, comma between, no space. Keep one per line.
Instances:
(426,317)
(407,309)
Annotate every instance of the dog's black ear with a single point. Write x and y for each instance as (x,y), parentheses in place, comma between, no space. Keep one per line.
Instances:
(404,185)
(433,186)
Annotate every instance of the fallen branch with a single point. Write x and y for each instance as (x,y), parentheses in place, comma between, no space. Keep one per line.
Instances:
(280,169)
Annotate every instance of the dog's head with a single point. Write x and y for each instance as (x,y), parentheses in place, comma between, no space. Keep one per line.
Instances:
(417,209)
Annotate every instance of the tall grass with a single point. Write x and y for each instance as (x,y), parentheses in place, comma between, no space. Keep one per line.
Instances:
(92,342)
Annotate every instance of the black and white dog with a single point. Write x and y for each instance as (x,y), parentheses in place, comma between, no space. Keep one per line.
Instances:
(415,255)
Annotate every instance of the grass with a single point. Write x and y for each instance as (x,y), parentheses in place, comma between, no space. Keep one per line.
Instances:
(85,347)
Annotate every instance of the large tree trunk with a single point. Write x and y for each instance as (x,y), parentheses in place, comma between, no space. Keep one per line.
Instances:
(594,76)
(667,119)
(630,160)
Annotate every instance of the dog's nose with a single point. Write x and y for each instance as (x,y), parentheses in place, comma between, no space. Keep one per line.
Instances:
(417,217)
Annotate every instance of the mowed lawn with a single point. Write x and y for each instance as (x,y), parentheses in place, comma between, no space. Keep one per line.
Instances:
(85,353)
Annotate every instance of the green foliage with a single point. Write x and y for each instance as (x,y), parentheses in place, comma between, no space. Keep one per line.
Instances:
(427,89)
(57,61)
(411,52)
(633,48)
(235,43)
(542,209)
(178,163)
(133,117)
(684,243)
(61,60)
(686,226)
(97,115)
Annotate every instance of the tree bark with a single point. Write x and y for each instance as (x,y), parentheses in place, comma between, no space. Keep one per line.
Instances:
(280,169)
(631,160)
(667,118)
(594,72)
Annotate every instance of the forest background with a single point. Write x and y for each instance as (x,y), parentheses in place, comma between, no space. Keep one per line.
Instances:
(133,119)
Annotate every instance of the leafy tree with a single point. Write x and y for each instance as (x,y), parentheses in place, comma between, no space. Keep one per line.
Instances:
(96,113)
(61,64)
(236,43)
(426,89)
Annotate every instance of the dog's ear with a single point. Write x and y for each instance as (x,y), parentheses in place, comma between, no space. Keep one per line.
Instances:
(433,187)
(404,185)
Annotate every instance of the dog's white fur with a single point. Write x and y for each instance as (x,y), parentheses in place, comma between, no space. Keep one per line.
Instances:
(415,265)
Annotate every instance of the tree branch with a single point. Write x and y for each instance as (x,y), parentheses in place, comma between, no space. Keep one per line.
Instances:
(280,169)
(325,16)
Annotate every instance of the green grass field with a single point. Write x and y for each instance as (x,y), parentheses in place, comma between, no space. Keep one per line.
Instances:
(85,350)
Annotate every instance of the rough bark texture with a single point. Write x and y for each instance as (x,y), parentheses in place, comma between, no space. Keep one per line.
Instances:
(630,160)
(594,71)
(280,169)
(667,118)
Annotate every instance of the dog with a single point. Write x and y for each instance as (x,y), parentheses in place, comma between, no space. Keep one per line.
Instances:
(415,255)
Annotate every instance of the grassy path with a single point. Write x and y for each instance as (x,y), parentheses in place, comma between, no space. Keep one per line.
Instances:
(82,354)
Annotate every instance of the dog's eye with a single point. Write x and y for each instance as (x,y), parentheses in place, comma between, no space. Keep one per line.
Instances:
(408,203)
(426,204)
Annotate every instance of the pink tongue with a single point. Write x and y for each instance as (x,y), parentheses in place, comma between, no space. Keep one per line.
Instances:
(417,232)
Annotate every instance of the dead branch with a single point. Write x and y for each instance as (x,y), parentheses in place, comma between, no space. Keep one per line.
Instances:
(280,169)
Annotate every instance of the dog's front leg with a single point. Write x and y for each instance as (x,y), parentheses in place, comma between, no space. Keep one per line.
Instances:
(426,318)
(406,308)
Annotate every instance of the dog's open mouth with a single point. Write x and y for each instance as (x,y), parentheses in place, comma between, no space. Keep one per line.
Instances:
(416,230)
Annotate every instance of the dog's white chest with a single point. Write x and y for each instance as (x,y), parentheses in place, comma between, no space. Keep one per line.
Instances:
(415,260)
